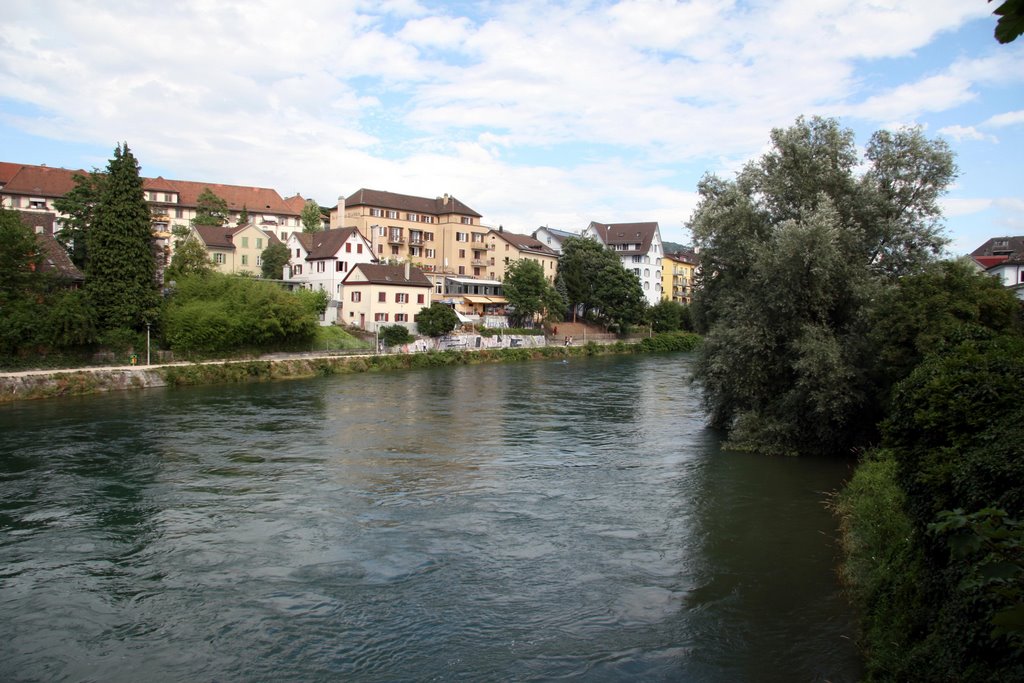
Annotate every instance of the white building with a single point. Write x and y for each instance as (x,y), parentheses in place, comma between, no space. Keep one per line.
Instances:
(639,247)
(321,260)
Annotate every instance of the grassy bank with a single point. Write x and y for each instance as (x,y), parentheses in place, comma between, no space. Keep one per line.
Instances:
(76,383)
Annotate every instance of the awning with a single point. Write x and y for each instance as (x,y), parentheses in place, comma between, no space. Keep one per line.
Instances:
(476,299)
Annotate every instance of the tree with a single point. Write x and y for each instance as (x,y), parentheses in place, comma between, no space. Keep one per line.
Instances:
(395,335)
(243,216)
(597,286)
(190,258)
(530,294)
(577,264)
(274,259)
(312,219)
(79,205)
(210,209)
(793,253)
(667,316)
(1011,20)
(20,259)
(436,320)
(121,275)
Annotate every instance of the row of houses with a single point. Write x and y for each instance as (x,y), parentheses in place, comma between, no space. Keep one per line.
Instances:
(421,249)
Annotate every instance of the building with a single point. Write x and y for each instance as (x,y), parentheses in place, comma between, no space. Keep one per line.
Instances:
(552,238)
(1003,257)
(504,248)
(322,260)
(475,301)
(437,235)
(638,246)
(677,277)
(376,295)
(234,250)
(172,202)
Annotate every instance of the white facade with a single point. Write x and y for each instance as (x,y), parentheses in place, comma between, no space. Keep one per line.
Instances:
(639,248)
(321,260)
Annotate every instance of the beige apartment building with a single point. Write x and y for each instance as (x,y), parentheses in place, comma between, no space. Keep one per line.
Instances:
(440,235)
(234,250)
(504,248)
(377,295)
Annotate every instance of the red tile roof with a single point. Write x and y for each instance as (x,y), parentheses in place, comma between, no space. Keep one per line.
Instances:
(56,259)
(627,233)
(380,274)
(325,244)
(525,243)
(42,181)
(440,206)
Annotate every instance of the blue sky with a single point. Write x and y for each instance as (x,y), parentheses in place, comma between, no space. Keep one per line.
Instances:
(533,113)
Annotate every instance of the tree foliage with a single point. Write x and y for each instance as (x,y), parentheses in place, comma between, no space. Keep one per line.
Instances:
(793,253)
(20,259)
(220,313)
(210,209)
(1011,20)
(190,258)
(312,219)
(273,260)
(530,294)
(395,335)
(596,286)
(436,320)
(79,206)
(669,316)
(121,275)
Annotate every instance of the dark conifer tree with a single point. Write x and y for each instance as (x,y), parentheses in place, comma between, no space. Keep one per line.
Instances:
(121,276)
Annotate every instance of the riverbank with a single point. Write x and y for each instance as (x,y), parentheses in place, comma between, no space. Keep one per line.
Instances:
(30,385)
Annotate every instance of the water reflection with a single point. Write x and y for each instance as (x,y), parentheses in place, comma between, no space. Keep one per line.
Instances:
(523,522)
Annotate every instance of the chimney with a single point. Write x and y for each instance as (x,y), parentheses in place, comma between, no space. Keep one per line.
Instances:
(338,214)
(446,199)
(408,270)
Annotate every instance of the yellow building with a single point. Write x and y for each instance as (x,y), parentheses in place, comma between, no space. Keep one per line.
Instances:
(503,248)
(677,277)
(438,235)
(236,249)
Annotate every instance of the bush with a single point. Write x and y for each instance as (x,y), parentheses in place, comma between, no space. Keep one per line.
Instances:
(671,341)
(395,335)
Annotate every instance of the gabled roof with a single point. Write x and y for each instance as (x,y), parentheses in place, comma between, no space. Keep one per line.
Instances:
(325,243)
(560,234)
(217,236)
(7,171)
(380,274)
(626,233)
(38,219)
(987,262)
(255,200)
(526,243)
(42,181)
(295,204)
(56,259)
(1001,246)
(687,257)
(403,202)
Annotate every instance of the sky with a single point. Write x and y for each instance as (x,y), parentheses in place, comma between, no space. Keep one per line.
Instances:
(532,113)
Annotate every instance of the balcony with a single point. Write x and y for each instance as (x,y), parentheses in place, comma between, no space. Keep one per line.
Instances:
(490,247)
(479,262)
(396,239)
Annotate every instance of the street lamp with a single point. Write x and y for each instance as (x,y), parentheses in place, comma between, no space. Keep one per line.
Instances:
(147,342)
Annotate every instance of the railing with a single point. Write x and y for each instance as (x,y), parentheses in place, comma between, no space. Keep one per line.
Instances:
(395,239)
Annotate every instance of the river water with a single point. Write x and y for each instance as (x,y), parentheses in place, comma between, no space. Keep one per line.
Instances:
(529,521)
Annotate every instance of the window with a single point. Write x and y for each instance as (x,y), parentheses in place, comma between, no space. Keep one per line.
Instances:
(647,272)
(380,317)
(636,271)
(245,259)
(401,317)
(492,260)
(382,297)
(37,203)
(430,253)
(462,270)
(414,251)
(462,237)
(357,297)
(466,220)
(178,213)
(259,242)
(259,260)
(218,258)
(297,270)
(462,253)
(348,247)
(359,248)
(412,217)
(392,214)
(245,242)
(401,298)
(428,237)
(637,259)
(394,251)
(321,266)
(340,266)
(428,219)
(476,272)
(419,298)
(506,247)
(378,213)
(380,248)
(382,231)
(296,252)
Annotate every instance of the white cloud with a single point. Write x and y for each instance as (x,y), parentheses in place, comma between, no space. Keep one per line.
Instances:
(1010,118)
(961,133)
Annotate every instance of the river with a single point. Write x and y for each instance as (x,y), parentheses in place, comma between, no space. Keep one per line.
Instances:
(525,521)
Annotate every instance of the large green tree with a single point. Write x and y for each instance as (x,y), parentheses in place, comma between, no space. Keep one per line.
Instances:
(597,286)
(273,260)
(20,260)
(530,294)
(210,209)
(793,252)
(121,275)
(190,258)
(79,207)
(436,320)
(312,218)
